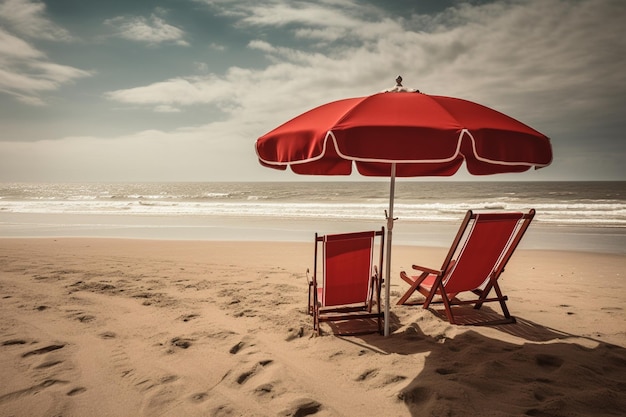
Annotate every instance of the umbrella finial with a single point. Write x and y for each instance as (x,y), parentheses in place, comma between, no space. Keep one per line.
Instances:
(399,88)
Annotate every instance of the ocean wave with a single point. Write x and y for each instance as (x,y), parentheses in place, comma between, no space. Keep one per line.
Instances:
(603,214)
(563,203)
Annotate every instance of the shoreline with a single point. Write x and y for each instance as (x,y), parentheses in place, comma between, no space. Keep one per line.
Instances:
(541,236)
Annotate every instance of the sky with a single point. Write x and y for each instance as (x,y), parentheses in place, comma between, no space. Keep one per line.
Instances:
(179,90)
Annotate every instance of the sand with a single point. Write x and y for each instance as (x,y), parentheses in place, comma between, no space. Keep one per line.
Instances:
(122,327)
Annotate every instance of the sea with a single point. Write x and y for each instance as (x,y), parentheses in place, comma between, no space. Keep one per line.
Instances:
(584,216)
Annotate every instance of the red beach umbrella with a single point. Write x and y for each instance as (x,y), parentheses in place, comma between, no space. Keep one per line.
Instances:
(403,133)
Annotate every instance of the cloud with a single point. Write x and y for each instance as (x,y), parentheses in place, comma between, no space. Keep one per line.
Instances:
(164,108)
(153,30)
(25,71)
(151,154)
(280,14)
(262,46)
(12,47)
(544,60)
(520,57)
(322,22)
(175,91)
(556,65)
(217,47)
(486,53)
(28,18)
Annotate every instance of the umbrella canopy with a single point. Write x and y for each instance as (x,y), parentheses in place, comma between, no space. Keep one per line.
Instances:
(424,135)
(404,133)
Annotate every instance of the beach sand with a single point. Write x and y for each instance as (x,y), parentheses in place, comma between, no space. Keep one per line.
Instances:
(122,327)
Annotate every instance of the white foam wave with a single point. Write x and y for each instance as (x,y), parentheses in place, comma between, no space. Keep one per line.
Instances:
(579,213)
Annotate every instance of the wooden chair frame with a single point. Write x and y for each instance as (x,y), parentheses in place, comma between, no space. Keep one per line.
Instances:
(370,308)
(440,278)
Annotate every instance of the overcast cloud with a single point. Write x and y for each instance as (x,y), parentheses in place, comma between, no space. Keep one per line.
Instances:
(181,90)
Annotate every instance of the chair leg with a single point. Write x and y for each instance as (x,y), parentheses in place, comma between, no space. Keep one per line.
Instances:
(438,284)
(447,306)
(482,294)
(493,284)
(502,299)
(316,319)
(413,287)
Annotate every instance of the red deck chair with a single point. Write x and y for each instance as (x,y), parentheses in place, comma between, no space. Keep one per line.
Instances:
(349,287)
(480,251)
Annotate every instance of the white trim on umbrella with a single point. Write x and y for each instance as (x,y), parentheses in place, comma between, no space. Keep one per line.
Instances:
(456,153)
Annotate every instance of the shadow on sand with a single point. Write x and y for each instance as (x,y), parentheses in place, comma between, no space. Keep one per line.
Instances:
(541,372)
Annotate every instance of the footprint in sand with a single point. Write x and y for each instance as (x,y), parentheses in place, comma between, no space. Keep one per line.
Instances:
(181,342)
(549,362)
(107,335)
(293,334)
(76,391)
(188,317)
(136,377)
(375,379)
(31,390)
(222,411)
(303,407)
(370,373)
(569,313)
(415,395)
(85,318)
(264,389)
(445,371)
(392,379)
(240,346)
(12,342)
(236,348)
(48,364)
(199,397)
(42,350)
(168,378)
(243,377)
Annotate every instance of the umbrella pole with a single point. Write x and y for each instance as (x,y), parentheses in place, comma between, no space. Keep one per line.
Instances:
(390,220)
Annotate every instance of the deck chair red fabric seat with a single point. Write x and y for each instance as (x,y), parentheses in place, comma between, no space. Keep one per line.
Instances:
(349,286)
(478,255)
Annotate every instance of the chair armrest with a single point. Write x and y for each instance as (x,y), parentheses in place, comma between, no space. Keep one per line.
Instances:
(425,269)
(414,281)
